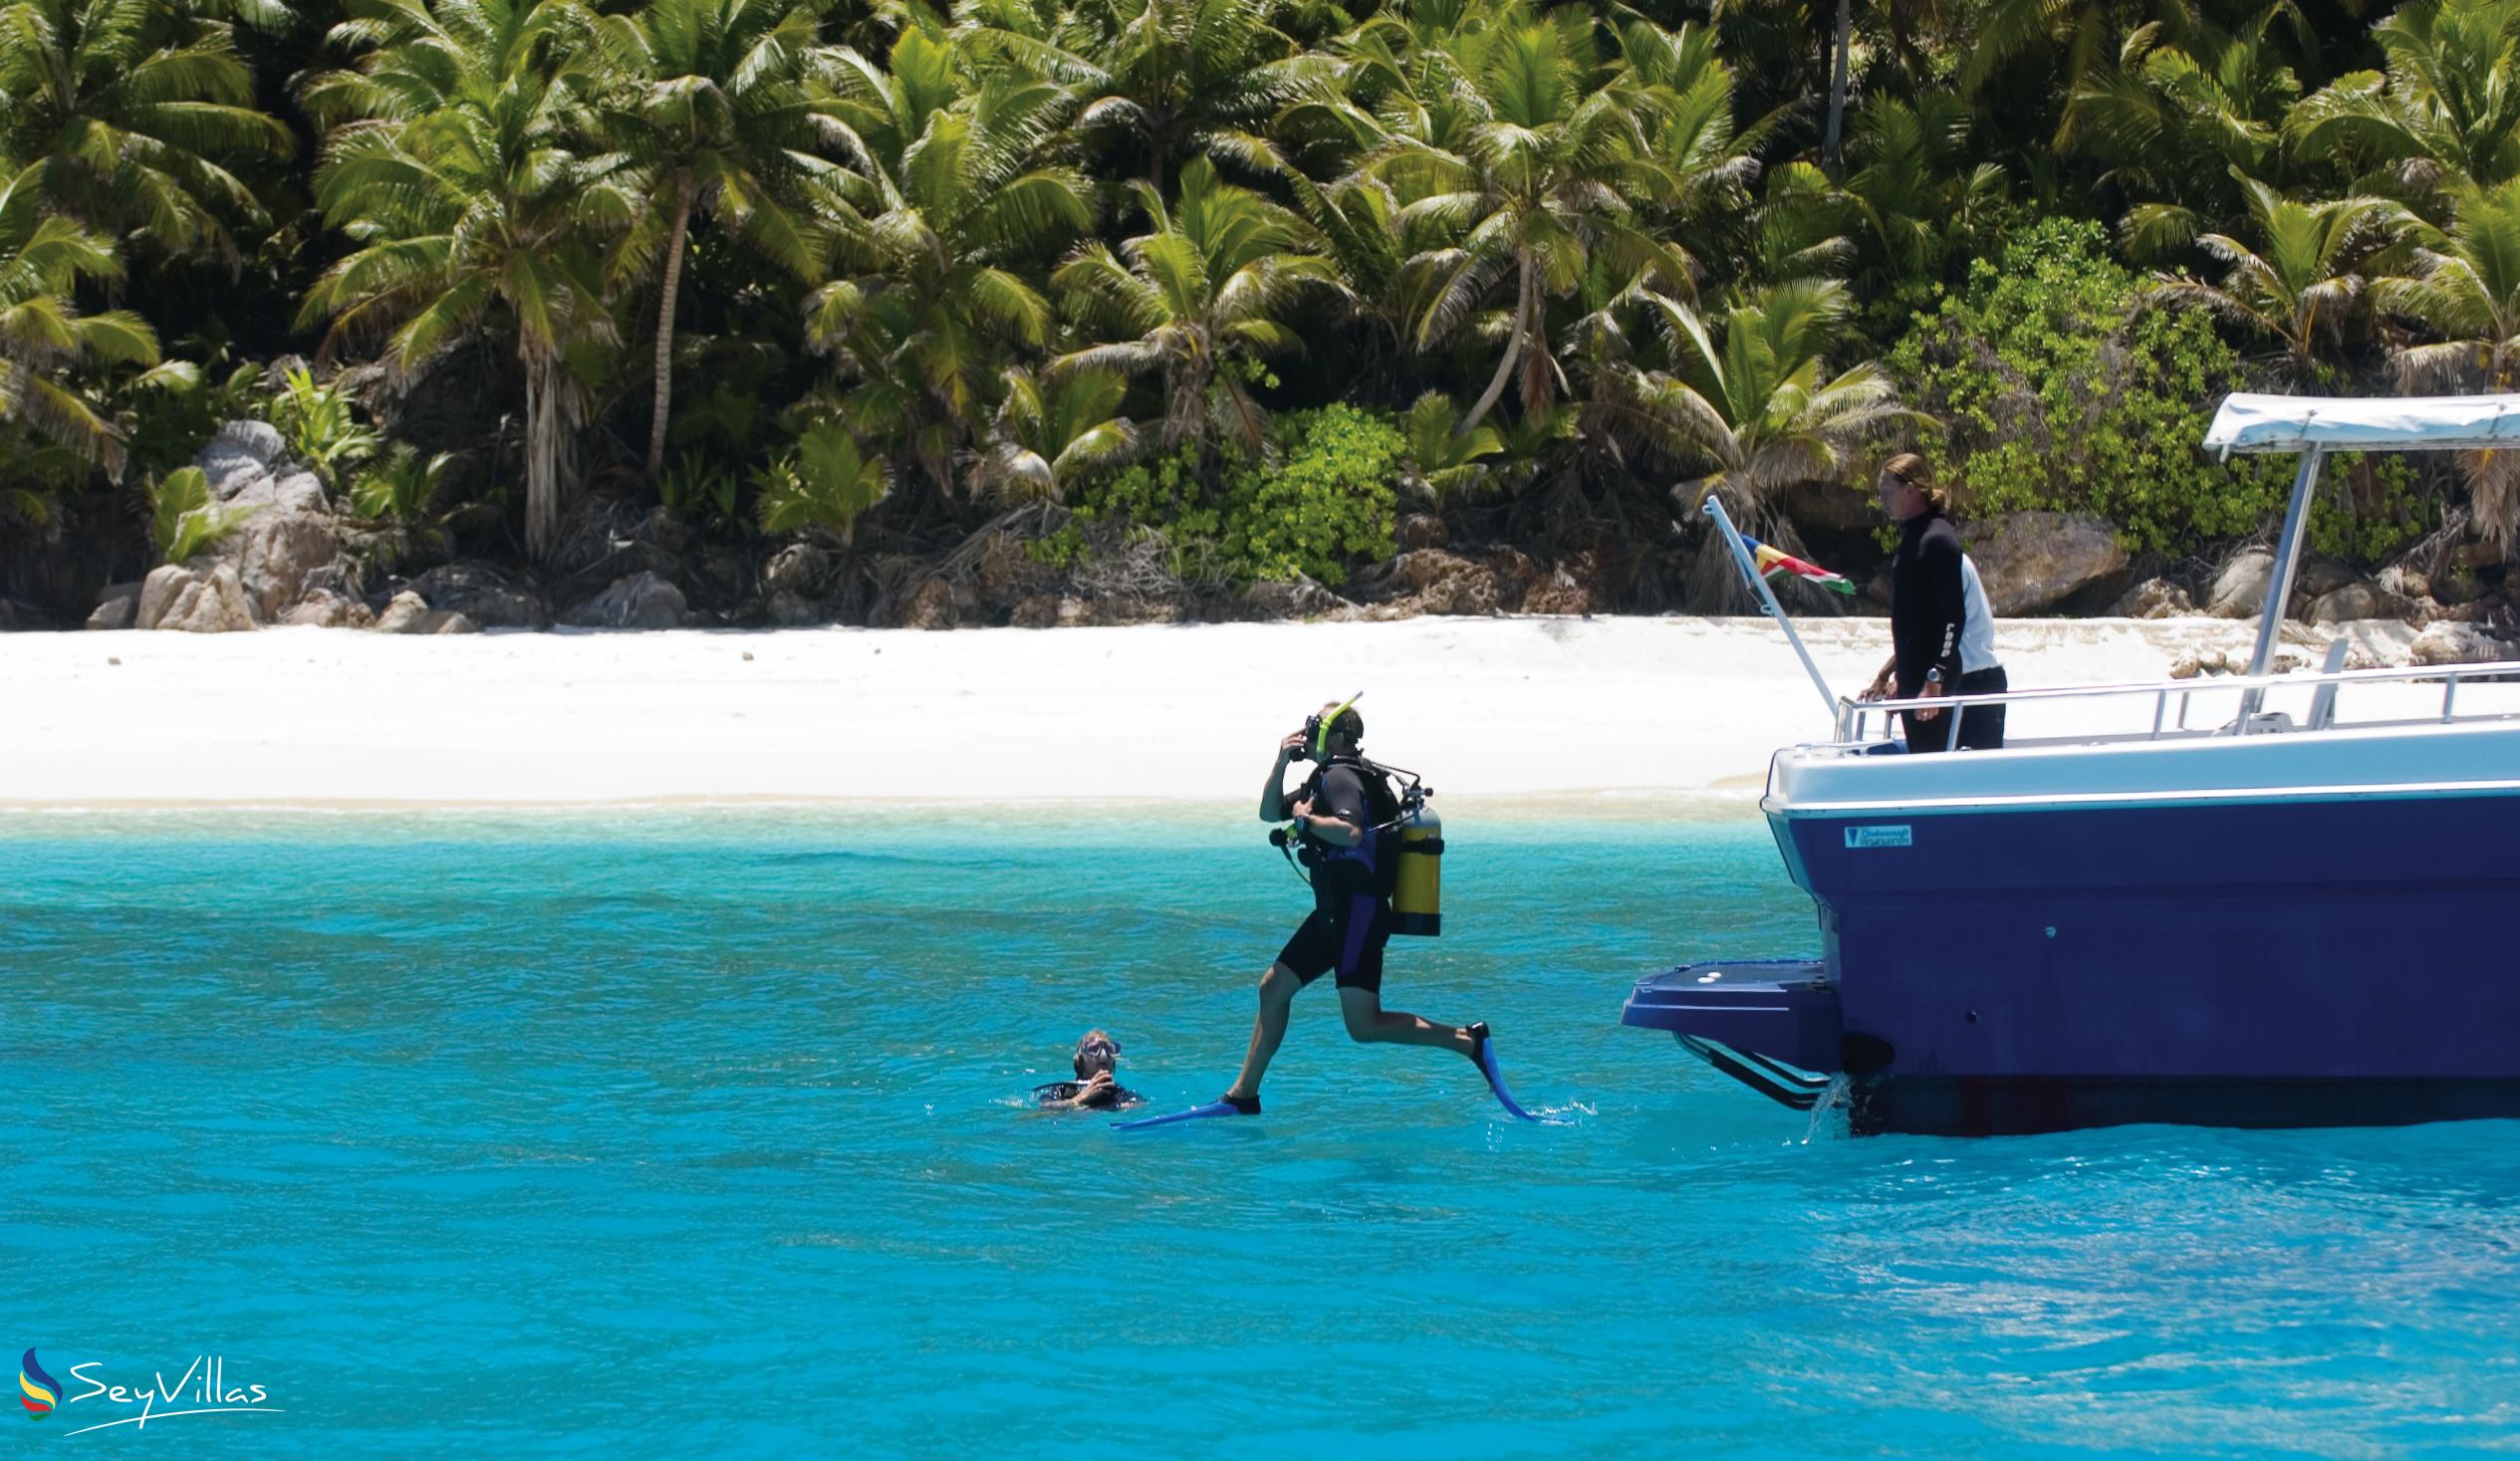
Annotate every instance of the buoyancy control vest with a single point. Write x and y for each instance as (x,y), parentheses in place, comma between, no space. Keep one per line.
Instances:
(1398,859)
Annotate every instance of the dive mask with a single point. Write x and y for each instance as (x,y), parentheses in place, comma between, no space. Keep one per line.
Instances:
(1317,728)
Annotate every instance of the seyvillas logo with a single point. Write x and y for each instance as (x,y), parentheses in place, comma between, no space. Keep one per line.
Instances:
(36,1391)
(202,1389)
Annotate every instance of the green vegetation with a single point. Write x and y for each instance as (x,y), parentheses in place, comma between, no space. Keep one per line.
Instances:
(1253,278)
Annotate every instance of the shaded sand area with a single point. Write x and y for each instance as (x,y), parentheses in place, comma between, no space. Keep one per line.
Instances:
(1505,708)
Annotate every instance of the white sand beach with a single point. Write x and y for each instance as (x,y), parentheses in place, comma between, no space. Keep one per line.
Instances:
(1486,708)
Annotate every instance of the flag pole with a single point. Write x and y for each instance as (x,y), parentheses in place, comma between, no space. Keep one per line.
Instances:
(1767,601)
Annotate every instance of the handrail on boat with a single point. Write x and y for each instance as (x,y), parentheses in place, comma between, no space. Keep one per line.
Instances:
(1854,714)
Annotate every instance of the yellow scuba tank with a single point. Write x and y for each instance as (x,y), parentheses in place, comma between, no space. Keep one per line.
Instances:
(1417,897)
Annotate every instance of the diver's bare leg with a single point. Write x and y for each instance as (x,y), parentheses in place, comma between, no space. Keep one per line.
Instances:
(1370,1024)
(1277,994)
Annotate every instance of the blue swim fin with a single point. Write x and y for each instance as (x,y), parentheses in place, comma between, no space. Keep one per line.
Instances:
(1196,1114)
(1486,1062)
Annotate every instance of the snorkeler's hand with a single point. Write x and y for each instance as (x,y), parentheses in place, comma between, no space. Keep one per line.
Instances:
(1095,1085)
(1293,742)
(1930,691)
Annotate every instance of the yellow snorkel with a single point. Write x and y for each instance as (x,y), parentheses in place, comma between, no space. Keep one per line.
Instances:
(1320,725)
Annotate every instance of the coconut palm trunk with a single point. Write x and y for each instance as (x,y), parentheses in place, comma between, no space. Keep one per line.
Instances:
(1838,89)
(546,433)
(1524,301)
(683,198)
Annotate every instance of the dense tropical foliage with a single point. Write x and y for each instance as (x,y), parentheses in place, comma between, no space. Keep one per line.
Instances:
(1226,291)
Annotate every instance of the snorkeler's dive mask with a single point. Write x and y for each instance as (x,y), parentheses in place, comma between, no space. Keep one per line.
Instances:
(1097,1054)
(1317,728)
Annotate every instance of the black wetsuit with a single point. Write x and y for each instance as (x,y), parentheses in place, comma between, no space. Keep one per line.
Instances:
(1928,605)
(1352,914)
(1061,1093)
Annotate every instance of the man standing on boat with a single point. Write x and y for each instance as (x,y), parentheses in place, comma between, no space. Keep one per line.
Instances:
(1943,635)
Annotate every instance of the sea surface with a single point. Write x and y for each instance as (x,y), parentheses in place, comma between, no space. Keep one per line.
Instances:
(704,1132)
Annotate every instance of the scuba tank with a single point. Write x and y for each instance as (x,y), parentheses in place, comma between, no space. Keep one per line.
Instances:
(1417,887)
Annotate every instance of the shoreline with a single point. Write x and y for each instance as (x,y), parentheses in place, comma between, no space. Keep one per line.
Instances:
(1493,711)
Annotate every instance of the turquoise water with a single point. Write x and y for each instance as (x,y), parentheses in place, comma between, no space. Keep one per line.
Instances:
(674,1133)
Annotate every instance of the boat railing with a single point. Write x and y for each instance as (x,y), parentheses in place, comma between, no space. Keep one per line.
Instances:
(2172,700)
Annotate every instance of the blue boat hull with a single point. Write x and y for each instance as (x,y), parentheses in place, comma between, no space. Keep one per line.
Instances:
(2295,961)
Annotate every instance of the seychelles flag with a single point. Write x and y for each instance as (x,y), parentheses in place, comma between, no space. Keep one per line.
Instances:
(1774,564)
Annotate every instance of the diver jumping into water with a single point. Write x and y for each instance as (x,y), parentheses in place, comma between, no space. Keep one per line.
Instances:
(1348,843)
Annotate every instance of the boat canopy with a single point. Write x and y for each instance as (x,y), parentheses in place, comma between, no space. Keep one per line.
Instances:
(2347,423)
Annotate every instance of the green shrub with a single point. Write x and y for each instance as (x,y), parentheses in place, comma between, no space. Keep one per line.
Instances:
(320,427)
(1326,506)
(2055,395)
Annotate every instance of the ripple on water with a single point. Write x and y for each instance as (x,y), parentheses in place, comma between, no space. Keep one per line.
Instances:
(689,1132)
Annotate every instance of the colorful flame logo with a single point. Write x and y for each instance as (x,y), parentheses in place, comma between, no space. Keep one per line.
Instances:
(36,1391)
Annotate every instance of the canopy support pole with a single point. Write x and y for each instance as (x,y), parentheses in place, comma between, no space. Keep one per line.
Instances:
(2279,580)
(1767,601)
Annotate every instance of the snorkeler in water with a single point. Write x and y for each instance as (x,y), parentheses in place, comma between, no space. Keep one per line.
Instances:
(1097,1085)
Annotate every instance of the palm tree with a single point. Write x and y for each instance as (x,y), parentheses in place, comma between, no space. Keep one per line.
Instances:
(2187,109)
(463,175)
(1758,405)
(1170,77)
(828,481)
(2466,291)
(2446,112)
(2303,282)
(948,198)
(1205,293)
(1521,166)
(139,109)
(720,112)
(1047,434)
(1912,195)
(44,257)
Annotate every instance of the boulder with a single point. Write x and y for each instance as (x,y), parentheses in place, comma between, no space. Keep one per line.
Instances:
(488,597)
(2154,598)
(2319,577)
(239,453)
(278,554)
(326,609)
(446,621)
(2449,642)
(204,600)
(118,607)
(2030,560)
(1301,598)
(1563,589)
(792,609)
(2359,601)
(640,601)
(404,614)
(1832,507)
(929,606)
(798,570)
(1435,580)
(2240,588)
(289,492)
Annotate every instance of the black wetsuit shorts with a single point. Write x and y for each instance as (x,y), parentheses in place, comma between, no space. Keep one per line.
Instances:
(1349,943)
